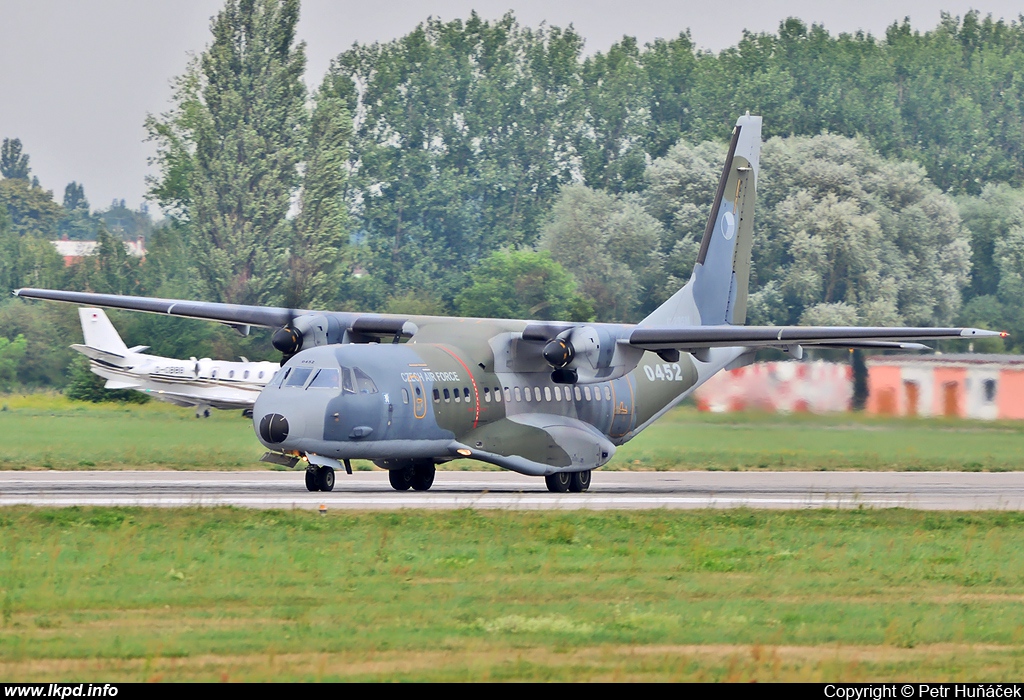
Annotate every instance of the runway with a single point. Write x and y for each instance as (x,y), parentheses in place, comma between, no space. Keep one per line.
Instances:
(506,490)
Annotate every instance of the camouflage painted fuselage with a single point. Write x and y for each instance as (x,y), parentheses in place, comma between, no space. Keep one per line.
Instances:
(460,397)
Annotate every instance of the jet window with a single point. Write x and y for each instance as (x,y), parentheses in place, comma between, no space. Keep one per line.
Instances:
(364,384)
(348,382)
(260,375)
(326,379)
(458,396)
(519,394)
(558,393)
(497,394)
(437,396)
(405,395)
(547,393)
(508,394)
(487,394)
(299,376)
(447,395)
(246,375)
(465,393)
(586,392)
(527,393)
(597,393)
(231,374)
(576,390)
(608,393)
(213,375)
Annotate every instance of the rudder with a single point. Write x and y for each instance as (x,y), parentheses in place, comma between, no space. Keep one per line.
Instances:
(717,291)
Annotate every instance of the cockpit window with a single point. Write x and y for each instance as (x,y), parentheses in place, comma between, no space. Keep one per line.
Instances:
(326,379)
(348,383)
(364,385)
(298,376)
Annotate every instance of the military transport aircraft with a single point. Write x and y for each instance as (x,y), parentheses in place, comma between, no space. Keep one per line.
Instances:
(543,398)
(203,383)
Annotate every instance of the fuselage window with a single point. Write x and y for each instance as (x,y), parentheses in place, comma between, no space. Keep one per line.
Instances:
(527,394)
(586,392)
(465,393)
(213,375)
(348,382)
(405,396)
(576,390)
(299,376)
(246,375)
(326,379)
(608,393)
(364,384)
(231,374)
(458,397)
(437,396)
(519,395)
(547,393)
(420,393)
(597,393)
(508,394)
(447,394)
(497,394)
(558,393)
(487,394)
(260,375)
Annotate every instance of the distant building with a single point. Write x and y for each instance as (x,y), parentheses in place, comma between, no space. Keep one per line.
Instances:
(74,251)
(971,385)
(787,387)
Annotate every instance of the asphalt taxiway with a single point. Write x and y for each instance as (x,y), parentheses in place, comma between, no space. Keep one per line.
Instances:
(457,489)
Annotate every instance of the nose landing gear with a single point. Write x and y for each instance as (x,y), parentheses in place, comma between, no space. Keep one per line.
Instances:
(319,479)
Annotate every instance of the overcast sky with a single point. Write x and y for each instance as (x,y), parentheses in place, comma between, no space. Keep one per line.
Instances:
(78,77)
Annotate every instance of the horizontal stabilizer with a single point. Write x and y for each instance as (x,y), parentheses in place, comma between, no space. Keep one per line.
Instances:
(696,337)
(104,356)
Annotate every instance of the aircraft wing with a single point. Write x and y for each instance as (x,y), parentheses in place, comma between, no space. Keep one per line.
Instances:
(230,314)
(696,337)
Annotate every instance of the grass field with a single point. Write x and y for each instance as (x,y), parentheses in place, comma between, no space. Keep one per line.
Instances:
(132,594)
(50,432)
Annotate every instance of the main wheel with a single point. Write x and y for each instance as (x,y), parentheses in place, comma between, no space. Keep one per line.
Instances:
(401,479)
(325,478)
(423,476)
(579,481)
(311,479)
(558,483)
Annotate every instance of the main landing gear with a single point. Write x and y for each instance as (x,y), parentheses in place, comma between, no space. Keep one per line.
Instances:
(319,479)
(564,482)
(419,476)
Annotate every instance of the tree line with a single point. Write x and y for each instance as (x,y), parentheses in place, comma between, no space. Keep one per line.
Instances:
(486,168)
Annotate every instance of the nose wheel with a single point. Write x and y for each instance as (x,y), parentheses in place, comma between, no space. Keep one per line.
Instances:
(319,479)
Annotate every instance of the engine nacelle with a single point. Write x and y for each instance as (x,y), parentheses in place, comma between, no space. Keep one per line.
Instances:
(307,331)
(589,354)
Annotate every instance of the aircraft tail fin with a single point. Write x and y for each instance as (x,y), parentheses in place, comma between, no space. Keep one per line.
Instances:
(100,333)
(717,291)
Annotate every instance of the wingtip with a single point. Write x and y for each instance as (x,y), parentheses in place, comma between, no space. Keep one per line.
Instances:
(981,333)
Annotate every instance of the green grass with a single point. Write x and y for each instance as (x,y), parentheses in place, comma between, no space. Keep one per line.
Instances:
(688,439)
(51,432)
(134,594)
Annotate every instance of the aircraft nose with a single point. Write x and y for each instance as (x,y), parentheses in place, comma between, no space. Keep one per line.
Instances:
(274,428)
